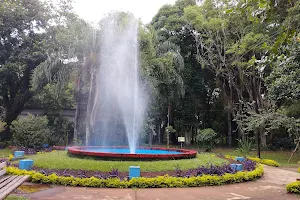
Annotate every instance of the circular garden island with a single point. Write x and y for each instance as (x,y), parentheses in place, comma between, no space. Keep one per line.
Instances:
(191,170)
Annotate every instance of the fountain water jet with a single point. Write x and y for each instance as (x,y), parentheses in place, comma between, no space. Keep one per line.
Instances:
(116,97)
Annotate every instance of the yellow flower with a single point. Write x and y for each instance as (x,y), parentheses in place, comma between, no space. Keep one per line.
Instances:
(10,157)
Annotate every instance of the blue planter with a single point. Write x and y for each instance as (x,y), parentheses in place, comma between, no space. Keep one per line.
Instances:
(19,154)
(241,159)
(237,167)
(26,164)
(134,172)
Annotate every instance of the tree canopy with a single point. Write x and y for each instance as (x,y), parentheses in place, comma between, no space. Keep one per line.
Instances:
(222,65)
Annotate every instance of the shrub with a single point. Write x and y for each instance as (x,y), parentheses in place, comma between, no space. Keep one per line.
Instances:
(30,131)
(245,146)
(2,126)
(268,162)
(157,182)
(61,130)
(10,157)
(298,170)
(284,143)
(293,187)
(206,138)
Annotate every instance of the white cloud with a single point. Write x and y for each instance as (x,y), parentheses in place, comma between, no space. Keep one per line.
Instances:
(94,10)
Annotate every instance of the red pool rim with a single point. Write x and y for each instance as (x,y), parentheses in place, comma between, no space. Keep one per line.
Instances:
(184,153)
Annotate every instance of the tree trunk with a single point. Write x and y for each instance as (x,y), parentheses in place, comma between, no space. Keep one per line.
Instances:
(187,135)
(229,130)
(159,133)
(168,138)
(169,114)
(258,142)
(263,139)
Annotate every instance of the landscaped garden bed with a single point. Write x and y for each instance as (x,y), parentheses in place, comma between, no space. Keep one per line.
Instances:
(144,182)
(206,169)
(176,172)
(61,160)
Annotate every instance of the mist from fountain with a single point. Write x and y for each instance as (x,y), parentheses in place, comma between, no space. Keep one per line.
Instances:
(117,92)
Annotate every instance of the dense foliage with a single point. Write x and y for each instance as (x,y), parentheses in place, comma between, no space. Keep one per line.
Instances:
(30,131)
(240,73)
(229,66)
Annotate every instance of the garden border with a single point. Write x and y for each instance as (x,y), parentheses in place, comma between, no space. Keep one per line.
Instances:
(157,182)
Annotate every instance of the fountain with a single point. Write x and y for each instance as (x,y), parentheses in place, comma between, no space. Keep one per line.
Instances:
(117,103)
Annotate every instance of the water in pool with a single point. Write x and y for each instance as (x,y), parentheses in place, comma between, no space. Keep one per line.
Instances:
(127,151)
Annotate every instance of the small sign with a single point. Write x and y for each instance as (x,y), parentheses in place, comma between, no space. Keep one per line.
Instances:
(181,139)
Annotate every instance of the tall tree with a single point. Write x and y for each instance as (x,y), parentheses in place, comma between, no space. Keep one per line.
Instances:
(31,50)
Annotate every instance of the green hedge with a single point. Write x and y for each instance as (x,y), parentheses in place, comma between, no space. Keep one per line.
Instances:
(268,162)
(157,182)
(293,187)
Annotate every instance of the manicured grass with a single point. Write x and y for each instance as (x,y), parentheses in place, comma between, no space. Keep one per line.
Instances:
(5,152)
(16,198)
(281,157)
(60,160)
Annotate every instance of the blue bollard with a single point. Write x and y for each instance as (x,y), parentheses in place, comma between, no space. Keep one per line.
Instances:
(134,172)
(239,167)
(19,154)
(241,159)
(26,164)
(233,166)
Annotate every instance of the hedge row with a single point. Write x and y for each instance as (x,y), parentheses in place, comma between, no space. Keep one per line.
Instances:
(268,162)
(293,187)
(157,182)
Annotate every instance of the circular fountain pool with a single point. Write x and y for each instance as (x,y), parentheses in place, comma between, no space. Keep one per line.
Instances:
(142,153)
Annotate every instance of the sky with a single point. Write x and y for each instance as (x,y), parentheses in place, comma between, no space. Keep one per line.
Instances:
(94,10)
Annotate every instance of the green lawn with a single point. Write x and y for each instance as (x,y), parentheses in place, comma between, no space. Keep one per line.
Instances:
(4,152)
(281,157)
(60,160)
(13,197)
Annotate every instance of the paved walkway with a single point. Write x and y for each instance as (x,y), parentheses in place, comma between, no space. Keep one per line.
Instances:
(270,186)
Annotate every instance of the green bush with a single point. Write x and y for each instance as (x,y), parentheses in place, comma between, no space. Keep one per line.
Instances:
(245,146)
(61,130)
(298,170)
(2,126)
(268,162)
(30,131)
(157,182)
(206,138)
(293,187)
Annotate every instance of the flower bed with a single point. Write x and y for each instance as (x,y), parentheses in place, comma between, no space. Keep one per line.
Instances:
(199,171)
(183,153)
(143,182)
